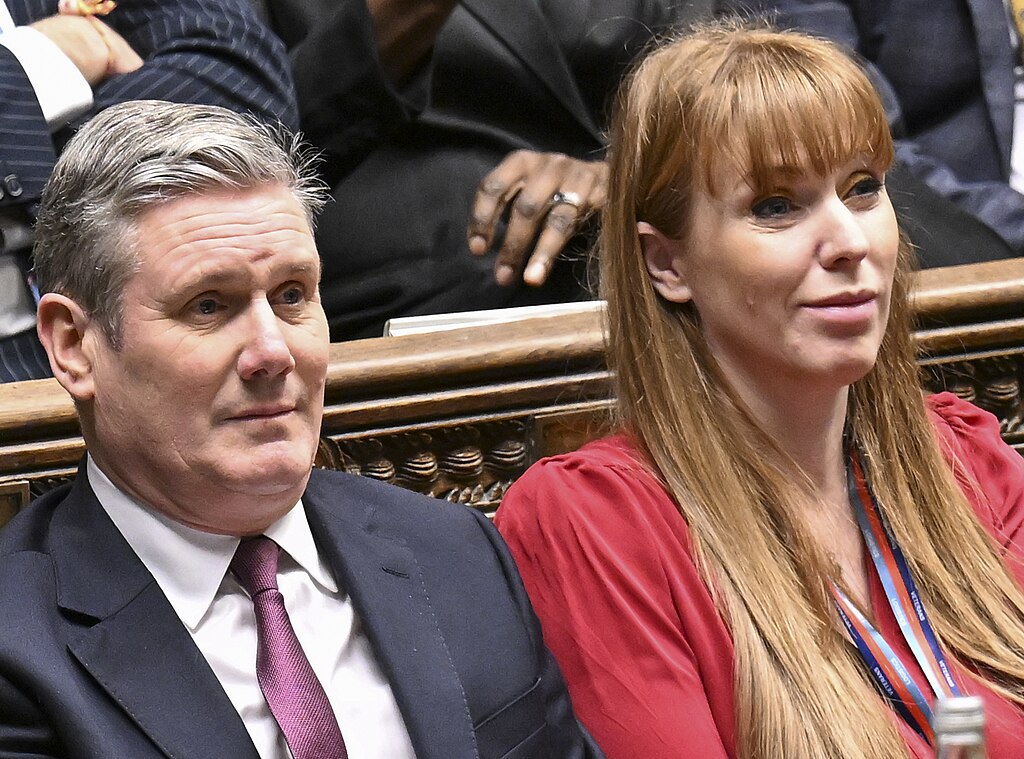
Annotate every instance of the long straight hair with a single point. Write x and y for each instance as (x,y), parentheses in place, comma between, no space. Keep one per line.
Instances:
(727,92)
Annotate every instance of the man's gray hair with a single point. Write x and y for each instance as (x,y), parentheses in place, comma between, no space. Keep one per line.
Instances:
(134,157)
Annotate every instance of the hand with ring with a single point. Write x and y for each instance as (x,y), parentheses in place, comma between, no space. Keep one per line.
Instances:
(547,196)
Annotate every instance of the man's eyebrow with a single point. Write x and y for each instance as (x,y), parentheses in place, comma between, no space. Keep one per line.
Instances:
(303,271)
(226,275)
(303,268)
(211,278)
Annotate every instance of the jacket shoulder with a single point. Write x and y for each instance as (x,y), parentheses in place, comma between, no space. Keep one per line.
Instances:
(411,515)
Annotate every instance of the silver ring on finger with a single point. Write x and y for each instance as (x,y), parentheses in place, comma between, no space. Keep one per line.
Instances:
(568,198)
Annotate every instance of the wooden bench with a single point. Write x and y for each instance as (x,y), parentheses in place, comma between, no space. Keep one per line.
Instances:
(460,414)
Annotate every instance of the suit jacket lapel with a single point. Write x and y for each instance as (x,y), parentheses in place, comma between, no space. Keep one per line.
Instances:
(380,574)
(138,650)
(996,58)
(522,26)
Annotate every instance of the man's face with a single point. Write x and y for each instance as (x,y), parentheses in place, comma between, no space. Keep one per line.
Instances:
(210,411)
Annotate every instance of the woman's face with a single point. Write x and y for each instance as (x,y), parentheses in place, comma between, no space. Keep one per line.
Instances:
(792,285)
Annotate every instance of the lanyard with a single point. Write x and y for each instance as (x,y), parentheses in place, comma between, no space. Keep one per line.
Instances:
(900,590)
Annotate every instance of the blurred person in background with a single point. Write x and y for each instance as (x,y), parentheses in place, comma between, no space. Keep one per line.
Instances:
(464,144)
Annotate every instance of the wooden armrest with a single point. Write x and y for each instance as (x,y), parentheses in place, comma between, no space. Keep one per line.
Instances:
(951,292)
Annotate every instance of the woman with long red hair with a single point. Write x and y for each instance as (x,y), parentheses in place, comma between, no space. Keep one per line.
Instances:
(787,550)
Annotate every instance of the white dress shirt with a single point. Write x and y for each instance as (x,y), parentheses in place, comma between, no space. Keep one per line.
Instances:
(62,91)
(191,568)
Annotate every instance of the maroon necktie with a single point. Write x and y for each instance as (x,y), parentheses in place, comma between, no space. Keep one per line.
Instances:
(295,696)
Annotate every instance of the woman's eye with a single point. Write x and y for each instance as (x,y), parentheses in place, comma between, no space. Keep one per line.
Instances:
(866,186)
(771,208)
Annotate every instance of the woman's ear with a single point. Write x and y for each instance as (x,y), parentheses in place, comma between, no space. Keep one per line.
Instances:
(666,263)
(63,329)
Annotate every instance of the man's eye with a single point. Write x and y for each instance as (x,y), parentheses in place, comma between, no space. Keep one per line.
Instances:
(293,296)
(206,306)
(771,208)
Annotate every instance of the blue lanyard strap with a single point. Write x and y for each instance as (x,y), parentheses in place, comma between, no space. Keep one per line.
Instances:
(905,602)
(889,672)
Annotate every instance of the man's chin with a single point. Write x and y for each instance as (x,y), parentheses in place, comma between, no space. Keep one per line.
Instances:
(273,477)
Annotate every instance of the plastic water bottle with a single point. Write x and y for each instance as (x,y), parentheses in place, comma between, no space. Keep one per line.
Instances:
(959,725)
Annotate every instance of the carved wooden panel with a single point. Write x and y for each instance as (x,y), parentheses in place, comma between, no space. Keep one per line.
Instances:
(472,464)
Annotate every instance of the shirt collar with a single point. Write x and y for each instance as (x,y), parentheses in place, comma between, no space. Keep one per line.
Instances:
(188,564)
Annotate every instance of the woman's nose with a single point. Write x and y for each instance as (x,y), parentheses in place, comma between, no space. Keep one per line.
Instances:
(844,237)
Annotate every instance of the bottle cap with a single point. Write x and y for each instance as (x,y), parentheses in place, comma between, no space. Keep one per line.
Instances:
(960,714)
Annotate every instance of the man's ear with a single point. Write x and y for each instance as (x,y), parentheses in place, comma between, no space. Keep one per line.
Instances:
(666,263)
(63,328)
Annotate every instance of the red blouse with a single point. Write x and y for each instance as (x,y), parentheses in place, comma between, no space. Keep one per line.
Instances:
(607,561)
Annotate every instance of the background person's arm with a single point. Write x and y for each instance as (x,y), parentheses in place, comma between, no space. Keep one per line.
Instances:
(212,52)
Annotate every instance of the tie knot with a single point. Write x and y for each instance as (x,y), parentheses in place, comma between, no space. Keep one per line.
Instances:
(255,564)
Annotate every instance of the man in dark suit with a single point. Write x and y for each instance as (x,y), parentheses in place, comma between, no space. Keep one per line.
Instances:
(434,113)
(197,591)
(946,71)
(57,70)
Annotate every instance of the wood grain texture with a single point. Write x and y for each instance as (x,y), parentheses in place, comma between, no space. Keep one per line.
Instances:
(461,413)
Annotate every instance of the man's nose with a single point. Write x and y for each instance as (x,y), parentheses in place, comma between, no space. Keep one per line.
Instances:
(265,352)
(844,238)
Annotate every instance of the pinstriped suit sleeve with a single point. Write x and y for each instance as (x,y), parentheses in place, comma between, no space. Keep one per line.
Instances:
(209,51)
(26,149)
(213,51)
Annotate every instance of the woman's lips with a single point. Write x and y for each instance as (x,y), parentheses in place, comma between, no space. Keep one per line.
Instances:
(845,308)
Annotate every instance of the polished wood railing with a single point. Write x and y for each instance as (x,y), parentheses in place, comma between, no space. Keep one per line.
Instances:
(460,414)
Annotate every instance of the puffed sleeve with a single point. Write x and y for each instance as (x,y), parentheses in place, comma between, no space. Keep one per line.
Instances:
(606,559)
(990,473)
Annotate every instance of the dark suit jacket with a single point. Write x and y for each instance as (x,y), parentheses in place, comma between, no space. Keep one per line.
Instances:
(945,71)
(404,165)
(195,51)
(95,663)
